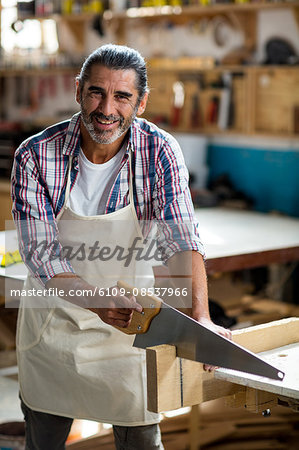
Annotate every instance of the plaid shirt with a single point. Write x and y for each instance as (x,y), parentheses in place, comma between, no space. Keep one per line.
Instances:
(160,180)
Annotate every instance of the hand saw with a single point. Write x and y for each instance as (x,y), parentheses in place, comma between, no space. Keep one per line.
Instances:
(160,323)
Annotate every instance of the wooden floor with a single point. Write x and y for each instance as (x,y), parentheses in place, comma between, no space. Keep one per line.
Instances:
(222,428)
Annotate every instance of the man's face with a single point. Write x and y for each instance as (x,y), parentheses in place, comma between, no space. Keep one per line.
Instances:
(109,103)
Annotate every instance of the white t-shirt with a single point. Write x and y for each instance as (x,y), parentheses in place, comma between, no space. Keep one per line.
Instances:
(94,182)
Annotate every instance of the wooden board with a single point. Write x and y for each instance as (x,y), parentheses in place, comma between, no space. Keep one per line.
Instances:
(276,90)
(174,382)
(6,203)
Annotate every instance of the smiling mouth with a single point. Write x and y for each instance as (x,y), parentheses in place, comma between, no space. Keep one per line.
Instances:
(106,122)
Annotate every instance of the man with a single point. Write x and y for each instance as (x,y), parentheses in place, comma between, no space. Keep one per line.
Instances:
(95,183)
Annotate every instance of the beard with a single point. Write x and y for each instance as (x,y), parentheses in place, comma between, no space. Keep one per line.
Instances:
(106,136)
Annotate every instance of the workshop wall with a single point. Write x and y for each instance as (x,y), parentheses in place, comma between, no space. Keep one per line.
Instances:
(198,38)
(266,174)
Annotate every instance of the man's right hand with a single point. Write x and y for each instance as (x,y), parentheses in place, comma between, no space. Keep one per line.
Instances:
(117,310)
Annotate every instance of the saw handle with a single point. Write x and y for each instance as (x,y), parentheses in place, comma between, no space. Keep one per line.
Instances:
(140,321)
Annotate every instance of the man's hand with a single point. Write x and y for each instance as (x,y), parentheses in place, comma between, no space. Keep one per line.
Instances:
(116,310)
(217,329)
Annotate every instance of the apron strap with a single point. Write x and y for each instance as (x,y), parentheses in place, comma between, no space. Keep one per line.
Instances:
(131,196)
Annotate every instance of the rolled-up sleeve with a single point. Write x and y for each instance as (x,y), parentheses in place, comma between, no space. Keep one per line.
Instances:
(34,218)
(174,211)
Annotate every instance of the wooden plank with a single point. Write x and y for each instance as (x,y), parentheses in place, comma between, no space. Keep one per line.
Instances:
(194,427)
(276,90)
(174,382)
(6,205)
(163,383)
(267,336)
(257,401)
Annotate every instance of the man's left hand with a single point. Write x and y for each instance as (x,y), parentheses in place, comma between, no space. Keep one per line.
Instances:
(217,329)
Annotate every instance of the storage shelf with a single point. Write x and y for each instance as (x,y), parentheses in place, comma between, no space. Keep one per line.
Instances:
(173,66)
(167,11)
(38,71)
(194,10)
(253,88)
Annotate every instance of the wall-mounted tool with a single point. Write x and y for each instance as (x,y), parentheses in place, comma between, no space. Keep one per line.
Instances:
(178,102)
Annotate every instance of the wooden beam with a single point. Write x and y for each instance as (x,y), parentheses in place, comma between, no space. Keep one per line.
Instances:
(295,9)
(175,382)
(258,401)
(247,23)
(239,262)
(261,338)
(250,260)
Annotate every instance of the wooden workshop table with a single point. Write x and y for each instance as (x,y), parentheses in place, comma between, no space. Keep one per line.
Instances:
(175,383)
(237,239)
(234,240)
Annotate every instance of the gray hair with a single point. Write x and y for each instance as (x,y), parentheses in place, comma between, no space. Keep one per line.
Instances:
(117,57)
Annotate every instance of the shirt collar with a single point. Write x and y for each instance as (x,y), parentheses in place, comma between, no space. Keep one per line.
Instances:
(72,141)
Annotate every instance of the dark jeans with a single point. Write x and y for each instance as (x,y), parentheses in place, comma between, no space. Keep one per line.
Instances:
(49,432)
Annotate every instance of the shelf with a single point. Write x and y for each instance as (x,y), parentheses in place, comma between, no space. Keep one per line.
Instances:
(257,94)
(168,11)
(196,64)
(193,10)
(38,71)
(253,86)
(169,66)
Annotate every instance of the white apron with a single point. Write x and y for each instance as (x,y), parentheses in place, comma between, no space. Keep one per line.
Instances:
(70,362)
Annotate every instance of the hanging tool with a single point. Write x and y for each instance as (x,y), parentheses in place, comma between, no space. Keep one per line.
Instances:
(178,103)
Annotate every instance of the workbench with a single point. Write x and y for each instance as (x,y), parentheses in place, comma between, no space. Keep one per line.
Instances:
(234,240)
(239,239)
(175,383)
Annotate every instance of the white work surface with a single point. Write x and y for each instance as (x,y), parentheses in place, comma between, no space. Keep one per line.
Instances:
(284,358)
(226,234)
